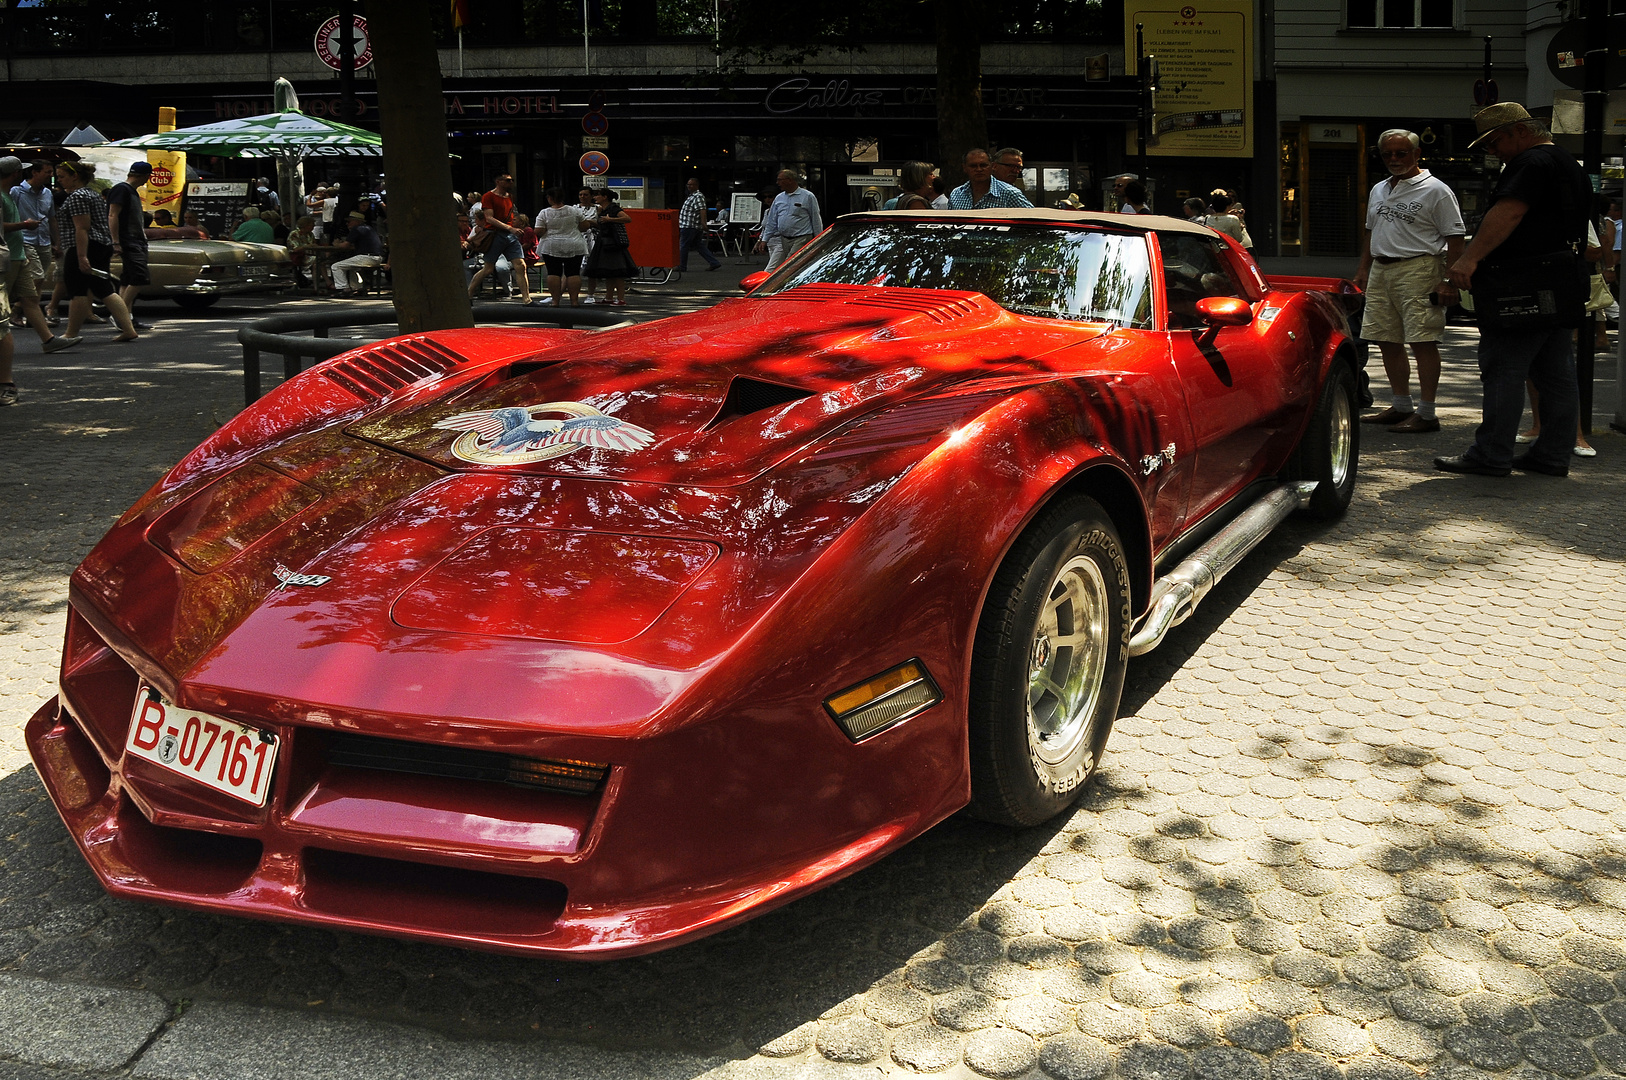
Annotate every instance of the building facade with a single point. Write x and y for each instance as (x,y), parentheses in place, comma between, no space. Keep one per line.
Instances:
(1328,78)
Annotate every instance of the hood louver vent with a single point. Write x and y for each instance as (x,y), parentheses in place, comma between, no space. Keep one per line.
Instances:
(747,396)
(938,307)
(379,372)
(909,425)
(818,294)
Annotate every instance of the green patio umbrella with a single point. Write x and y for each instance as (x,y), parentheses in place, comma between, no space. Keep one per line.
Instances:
(291,135)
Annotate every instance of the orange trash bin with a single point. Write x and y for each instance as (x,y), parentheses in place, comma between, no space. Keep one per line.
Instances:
(652,237)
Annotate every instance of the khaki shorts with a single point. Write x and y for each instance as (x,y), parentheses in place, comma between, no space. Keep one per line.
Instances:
(1397,307)
(13,273)
(23,287)
(39,262)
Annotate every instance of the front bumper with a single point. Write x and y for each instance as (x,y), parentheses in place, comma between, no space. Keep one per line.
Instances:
(463,863)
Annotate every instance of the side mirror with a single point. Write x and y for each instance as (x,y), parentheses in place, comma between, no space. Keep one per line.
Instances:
(752,282)
(1225,311)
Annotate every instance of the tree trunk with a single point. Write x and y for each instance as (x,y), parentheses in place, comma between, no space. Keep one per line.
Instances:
(961,124)
(425,261)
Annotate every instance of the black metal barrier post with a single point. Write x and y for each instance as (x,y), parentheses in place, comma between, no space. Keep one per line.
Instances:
(281,333)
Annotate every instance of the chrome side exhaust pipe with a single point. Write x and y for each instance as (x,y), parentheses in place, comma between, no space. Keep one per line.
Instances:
(1175,595)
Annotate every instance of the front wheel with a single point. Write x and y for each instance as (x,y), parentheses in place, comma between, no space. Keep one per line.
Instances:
(194,302)
(1330,451)
(1048,665)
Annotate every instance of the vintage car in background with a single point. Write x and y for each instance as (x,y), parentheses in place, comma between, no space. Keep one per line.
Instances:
(195,272)
(589,643)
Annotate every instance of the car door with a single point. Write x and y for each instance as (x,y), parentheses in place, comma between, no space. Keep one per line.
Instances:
(1236,389)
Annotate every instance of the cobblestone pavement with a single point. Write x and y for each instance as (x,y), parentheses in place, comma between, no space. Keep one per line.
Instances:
(1364,817)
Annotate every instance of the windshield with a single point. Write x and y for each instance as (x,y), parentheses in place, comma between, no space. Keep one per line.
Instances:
(1046,270)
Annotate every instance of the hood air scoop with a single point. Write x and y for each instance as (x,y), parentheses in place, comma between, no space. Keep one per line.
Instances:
(747,395)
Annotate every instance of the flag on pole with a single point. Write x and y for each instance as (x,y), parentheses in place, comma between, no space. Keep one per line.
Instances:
(460,14)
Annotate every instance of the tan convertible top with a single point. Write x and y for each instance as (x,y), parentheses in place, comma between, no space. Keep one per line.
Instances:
(1048,217)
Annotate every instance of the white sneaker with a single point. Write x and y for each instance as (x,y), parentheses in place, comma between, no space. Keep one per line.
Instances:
(588,300)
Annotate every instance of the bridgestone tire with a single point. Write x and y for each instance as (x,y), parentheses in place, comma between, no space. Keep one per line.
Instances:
(1048,665)
(1330,451)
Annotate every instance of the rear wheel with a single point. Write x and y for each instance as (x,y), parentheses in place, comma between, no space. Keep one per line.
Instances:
(189,302)
(1330,451)
(1048,666)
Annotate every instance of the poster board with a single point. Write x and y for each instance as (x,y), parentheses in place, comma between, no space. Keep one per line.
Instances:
(1204,52)
(218,204)
(744,209)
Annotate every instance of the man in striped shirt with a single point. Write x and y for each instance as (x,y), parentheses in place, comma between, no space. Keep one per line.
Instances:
(692,228)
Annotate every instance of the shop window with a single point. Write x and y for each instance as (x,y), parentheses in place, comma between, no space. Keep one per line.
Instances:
(802,148)
(1401,14)
(1292,206)
(668,148)
(711,147)
(756,148)
(862,148)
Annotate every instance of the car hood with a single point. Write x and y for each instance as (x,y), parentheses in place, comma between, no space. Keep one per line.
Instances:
(718,397)
(213,252)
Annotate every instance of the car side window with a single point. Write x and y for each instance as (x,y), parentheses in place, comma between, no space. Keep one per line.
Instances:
(1193,268)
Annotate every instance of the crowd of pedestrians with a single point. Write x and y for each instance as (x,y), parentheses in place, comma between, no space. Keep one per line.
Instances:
(581,245)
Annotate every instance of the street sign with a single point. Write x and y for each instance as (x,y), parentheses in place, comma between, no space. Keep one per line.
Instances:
(595,123)
(328,43)
(595,163)
(595,142)
(597,183)
(1566,54)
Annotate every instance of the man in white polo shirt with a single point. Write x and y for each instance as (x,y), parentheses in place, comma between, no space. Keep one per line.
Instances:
(1413,231)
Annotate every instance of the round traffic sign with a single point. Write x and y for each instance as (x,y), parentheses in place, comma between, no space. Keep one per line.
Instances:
(595,123)
(595,163)
(328,43)
(595,101)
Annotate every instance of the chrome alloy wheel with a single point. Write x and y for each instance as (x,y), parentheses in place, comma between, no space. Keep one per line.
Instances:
(1068,660)
(1340,441)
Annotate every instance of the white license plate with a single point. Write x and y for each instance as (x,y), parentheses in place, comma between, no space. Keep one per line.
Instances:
(218,753)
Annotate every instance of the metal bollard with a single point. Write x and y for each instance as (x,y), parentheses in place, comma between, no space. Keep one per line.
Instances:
(251,373)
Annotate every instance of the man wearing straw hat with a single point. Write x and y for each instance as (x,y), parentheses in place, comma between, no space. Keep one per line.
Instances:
(1538,208)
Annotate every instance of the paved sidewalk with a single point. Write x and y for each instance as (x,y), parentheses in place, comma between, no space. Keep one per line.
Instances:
(1364,817)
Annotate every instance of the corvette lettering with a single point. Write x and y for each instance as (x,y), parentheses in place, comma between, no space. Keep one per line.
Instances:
(961,228)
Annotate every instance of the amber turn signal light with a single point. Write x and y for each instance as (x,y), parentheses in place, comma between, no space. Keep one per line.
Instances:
(883,700)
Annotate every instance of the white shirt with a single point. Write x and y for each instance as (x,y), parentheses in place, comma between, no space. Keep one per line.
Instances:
(1412,217)
(563,236)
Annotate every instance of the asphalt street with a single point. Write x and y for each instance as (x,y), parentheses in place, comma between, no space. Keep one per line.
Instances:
(1362,818)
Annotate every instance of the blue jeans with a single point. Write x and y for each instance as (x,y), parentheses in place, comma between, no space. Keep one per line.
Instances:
(693,238)
(1547,359)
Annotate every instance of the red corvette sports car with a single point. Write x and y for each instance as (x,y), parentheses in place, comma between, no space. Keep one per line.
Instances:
(588,643)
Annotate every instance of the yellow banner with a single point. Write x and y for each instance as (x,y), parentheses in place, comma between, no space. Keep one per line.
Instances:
(166,185)
(1204,53)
